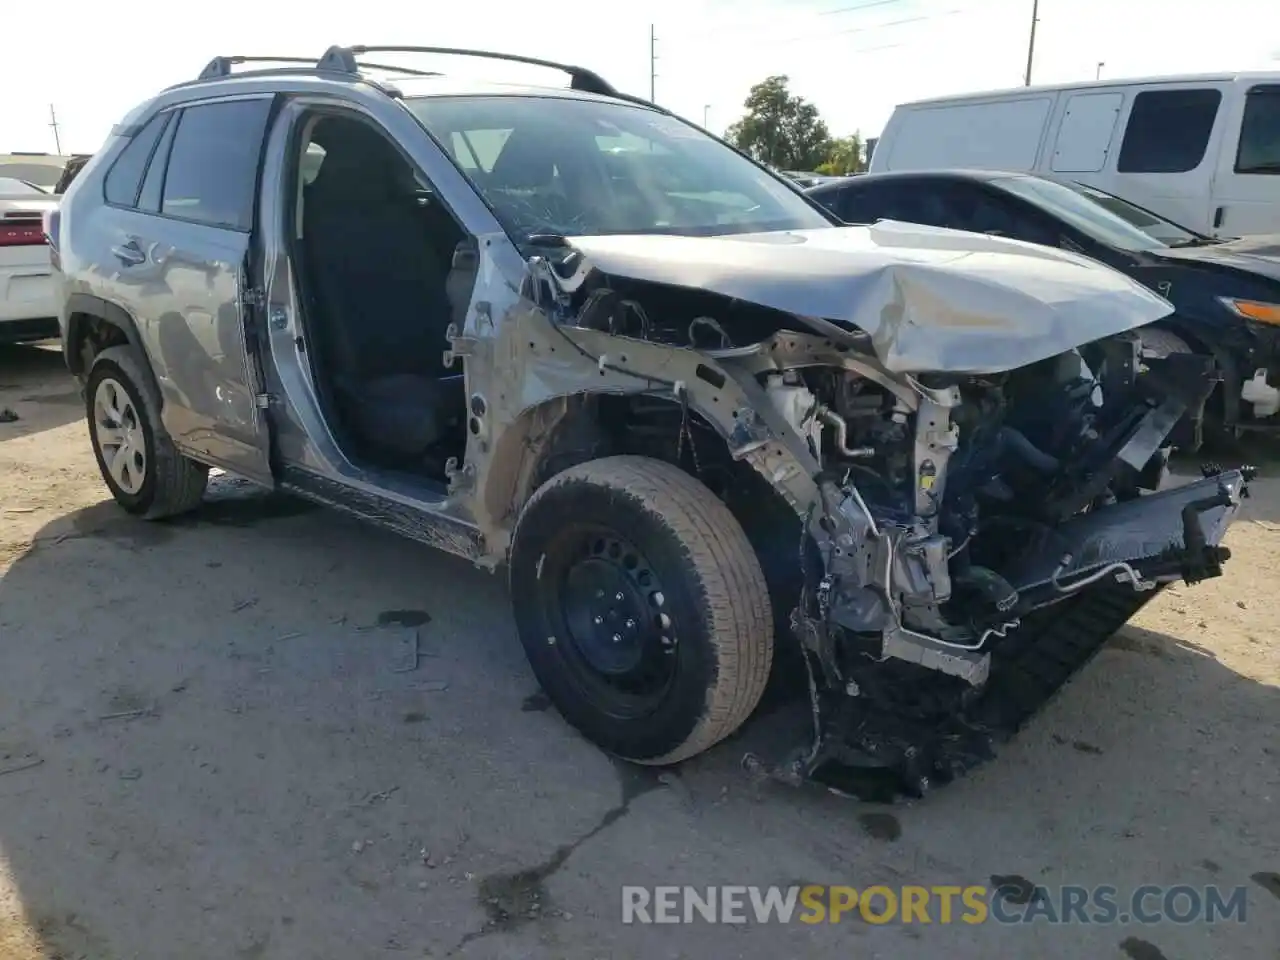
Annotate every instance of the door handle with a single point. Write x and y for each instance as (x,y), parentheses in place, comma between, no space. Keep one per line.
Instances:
(130,254)
(1218,216)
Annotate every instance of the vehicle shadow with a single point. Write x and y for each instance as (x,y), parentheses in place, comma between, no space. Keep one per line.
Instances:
(266,730)
(36,388)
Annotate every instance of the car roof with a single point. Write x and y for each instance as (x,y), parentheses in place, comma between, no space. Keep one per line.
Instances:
(409,88)
(945,173)
(350,66)
(1255,76)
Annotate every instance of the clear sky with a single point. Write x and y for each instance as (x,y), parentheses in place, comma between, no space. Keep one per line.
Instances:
(854,58)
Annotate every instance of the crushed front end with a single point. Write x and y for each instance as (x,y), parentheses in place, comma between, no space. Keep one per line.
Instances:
(978,538)
(973,440)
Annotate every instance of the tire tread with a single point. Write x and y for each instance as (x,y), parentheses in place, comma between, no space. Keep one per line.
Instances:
(739,612)
(179,482)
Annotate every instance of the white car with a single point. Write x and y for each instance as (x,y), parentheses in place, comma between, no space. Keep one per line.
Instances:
(28,310)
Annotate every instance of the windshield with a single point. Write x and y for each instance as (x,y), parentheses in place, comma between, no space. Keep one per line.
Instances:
(555,165)
(1102,216)
(11,187)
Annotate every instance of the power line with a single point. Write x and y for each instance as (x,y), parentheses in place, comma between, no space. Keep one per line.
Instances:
(870,28)
(887,25)
(720,28)
(859,7)
(867,28)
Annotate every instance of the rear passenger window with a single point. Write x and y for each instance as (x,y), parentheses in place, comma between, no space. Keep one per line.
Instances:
(857,206)
(1168,131)
(125,176)
(873,202)
(1259,150)
(213,163)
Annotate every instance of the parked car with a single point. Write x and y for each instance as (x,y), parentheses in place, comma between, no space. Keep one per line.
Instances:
(1226,294)
(678,401)
(28,310)
(41,169)
(806,178)
(1201,150)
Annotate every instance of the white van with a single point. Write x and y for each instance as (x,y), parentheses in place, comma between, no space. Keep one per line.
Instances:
(1203,151)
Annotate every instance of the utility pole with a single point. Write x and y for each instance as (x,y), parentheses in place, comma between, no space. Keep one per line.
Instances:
(1031,44)
(706,109)
(653,62)
(53,122)
(1098,74)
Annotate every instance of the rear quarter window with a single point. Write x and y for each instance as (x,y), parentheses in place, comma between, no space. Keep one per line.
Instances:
(124,179)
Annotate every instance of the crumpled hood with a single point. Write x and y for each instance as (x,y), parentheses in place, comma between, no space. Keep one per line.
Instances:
(931,299)
(1259,254)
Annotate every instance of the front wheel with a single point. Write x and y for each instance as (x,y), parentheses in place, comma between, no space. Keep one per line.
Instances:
(642,608)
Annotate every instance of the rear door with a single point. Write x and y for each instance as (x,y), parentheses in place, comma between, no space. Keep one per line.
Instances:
(182,248)
(1246,191)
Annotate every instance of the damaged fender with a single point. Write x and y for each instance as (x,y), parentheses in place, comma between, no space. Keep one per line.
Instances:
(538,366)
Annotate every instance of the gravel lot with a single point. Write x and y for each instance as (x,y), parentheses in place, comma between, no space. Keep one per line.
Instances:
(214,744)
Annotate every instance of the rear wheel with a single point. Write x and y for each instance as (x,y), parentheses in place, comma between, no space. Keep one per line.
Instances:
(140,465)
(642,608)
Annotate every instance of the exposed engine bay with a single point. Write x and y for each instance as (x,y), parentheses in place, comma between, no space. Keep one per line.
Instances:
(974,537)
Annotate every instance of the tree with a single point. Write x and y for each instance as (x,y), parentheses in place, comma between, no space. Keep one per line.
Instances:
(844,155)
(780,129)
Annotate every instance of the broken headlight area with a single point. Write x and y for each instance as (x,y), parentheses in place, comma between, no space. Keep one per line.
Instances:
(977,539)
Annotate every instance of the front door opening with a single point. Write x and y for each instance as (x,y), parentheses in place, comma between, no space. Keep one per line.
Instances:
(384,268)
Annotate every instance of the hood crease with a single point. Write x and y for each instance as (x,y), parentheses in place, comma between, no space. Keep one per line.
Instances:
(930,299)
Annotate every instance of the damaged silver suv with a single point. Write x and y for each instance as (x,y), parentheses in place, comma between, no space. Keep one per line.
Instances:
(696,418)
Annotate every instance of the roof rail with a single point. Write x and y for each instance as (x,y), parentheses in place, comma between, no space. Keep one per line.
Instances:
(220,67)
(343,59)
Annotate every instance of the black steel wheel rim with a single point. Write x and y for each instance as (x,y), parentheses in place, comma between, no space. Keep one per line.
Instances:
(608,619)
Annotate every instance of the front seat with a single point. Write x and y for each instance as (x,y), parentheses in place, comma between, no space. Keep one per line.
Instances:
(380,292)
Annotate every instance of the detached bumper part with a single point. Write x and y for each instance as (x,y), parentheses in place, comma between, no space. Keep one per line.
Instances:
(1165,536)
(1119,558)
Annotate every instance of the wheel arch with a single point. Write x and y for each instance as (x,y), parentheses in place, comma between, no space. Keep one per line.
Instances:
(1228,392)
(93,325)
(565,431)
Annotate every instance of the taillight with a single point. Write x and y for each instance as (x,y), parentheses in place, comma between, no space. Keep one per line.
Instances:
(25,232)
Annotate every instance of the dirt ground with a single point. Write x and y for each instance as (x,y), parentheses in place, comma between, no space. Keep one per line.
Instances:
(214,744)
